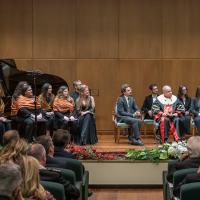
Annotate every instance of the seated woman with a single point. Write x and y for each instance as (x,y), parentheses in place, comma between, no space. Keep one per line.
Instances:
(195,110)
(63,107)
(46,99)
(29,111)
(31,187)
(187,102)
(5,124)
(85,106)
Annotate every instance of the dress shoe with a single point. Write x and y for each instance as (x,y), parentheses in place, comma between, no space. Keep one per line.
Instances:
(90,193)
(140,142)
(137,142)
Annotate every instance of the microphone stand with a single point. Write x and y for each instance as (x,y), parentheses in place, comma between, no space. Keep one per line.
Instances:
(35,102)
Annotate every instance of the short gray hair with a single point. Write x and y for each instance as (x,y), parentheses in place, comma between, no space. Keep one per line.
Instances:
(193,146)
(10,178)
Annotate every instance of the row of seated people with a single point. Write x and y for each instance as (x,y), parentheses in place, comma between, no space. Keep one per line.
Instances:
(187,161)
(39,161)
(52,112)
(170,112)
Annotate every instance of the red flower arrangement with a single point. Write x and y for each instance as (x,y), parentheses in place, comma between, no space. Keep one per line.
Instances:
(90,153)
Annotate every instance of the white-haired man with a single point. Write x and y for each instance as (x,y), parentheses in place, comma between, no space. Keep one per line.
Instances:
(166,110)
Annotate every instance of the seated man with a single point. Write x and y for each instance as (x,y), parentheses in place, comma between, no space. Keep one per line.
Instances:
(10,182)
(166,110)
(51,174)
(149,100)
(128,112)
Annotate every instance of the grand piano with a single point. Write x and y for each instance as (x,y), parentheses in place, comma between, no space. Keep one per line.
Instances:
(10,76)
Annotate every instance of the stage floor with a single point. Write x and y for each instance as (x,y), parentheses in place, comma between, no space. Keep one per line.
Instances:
(107,143)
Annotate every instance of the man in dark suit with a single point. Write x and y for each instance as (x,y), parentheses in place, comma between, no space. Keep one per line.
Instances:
(128,112)
(61,139)
(149,100)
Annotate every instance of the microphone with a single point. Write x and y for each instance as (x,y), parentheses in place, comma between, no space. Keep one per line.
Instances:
(35,72)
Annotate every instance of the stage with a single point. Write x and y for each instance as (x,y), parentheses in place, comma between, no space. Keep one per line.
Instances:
(124,172)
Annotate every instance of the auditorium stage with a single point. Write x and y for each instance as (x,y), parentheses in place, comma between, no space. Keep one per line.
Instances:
(107,143)
(123,172)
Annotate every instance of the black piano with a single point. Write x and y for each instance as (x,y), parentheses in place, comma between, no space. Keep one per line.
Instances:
(10,76)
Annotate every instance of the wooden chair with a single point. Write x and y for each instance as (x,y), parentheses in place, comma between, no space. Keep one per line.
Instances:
(119,127)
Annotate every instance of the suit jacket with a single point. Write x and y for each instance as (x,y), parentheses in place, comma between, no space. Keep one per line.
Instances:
(54,175)
(190,178)
(148,102)
(60,152)
(187,163)
(123,110)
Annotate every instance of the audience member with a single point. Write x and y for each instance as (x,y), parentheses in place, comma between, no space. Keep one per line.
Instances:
(9,136)
(191,161)
(51,174)
(31,187)
(61,139)
(10,181)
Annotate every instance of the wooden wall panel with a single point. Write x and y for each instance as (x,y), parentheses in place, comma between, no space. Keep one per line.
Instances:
(102,77)
(54,28)
(139,74)
(140,30)
(97,29)
(16,29)
(181,29)
(181,72)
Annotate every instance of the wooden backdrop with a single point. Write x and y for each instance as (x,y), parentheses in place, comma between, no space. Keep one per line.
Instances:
(106,43)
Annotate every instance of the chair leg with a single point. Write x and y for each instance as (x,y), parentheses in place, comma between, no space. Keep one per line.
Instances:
(118,135)
(115,133)
(145,130)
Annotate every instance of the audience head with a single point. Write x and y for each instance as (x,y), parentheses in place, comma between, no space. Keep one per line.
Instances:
(198,92)
(10,181)
(9,136)
(154,88)
(126,89)
(38,151)
(13,151)
(182,91)
(46,89)
(61,138)
(76,85)
(18,89)
(47,143)
(31,187)
(193,146)
(167,91)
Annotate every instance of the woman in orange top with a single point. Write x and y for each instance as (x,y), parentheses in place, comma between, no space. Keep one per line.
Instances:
(26,111)
(46,99)
(63,107)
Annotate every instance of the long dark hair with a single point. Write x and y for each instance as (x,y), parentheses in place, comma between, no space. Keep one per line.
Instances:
(198,92)
(18,89)
(180,91)
(44,89)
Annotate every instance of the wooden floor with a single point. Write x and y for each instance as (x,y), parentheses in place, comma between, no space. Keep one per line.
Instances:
(127,194)
(107,143)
